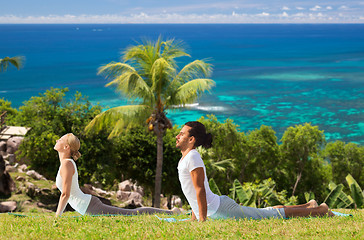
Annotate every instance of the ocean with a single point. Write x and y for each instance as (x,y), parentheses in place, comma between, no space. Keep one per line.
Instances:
(279,75)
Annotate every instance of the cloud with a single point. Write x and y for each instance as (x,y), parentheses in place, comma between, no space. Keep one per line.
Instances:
(285,8)
(263,14)
(165,17)
(343,7)
(315,8)
(329,8)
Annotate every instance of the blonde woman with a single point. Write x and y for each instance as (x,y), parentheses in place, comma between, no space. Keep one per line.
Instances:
(67,182)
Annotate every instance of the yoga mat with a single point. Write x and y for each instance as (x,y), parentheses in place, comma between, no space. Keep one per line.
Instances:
(341,214)
(181,220)
(171,219)
(162,219)
(101,215)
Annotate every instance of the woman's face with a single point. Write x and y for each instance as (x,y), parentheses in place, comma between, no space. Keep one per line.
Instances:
(61,144)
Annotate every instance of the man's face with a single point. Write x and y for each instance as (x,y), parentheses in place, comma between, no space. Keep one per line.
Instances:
(183,139)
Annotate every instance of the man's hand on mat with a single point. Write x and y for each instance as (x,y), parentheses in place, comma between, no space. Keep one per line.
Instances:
(191,220)
(55,223)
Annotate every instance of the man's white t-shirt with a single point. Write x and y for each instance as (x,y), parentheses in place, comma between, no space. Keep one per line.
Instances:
(190,162)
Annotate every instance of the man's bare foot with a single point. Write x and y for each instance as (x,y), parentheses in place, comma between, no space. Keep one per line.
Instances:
(312,203)
(325,210)
(330,214)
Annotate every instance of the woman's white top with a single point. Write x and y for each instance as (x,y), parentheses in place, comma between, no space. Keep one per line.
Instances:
(190,162)
(78,200)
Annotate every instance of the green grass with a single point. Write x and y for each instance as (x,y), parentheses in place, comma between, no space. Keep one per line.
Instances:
(44,226)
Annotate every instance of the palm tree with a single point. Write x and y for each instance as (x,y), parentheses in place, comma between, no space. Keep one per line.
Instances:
(149,77)
(15,61)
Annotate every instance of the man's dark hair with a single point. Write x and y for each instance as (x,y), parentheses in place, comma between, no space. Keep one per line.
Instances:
(198,131)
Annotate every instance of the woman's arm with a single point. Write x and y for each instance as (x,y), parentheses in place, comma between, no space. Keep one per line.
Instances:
(198,178)
(67,170)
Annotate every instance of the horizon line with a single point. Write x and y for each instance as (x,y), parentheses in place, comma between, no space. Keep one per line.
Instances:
(177,23)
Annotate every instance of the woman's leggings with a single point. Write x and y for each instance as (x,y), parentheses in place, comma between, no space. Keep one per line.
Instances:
(96,207)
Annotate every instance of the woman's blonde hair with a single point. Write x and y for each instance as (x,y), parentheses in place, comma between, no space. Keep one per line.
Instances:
(74,144)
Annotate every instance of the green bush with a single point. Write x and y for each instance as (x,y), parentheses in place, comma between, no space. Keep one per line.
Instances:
(344,159)
(302,165)
(50,116)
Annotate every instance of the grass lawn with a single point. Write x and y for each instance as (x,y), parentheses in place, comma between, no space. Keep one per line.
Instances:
(71,226)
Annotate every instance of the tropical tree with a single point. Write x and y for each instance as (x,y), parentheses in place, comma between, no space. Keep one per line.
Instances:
(148,76)
(345,158)
(262,155)
(15,61)
(300,146)
(226,153)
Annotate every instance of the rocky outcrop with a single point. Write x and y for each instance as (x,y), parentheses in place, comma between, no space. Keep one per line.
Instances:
(126,196)
(8,206)
(33,174)
(12,145)
(129,186)
(7,185)
(8,148)
(89,189)
(176,201)
(130,194)
(3,147)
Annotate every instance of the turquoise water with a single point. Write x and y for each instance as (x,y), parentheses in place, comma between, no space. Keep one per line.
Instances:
(278,75)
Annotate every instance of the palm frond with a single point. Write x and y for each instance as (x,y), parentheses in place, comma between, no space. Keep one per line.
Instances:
(141,56)
(113,69)
(119,119)
(15,61)
(161,72)
(173,49)
(188,92)
(127,80)
(223,165)
(195,69)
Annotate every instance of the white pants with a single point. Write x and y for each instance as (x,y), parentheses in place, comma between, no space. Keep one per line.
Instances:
(230,209)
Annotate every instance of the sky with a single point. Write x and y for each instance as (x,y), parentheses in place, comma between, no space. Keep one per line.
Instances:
(182,11)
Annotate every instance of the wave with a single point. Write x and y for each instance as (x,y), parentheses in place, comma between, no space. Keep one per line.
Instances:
(197,106)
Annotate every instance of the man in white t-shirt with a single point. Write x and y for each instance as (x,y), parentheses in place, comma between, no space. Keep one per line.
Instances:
(204,203)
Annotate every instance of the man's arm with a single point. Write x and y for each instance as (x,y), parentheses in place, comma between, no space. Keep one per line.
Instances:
(198,178)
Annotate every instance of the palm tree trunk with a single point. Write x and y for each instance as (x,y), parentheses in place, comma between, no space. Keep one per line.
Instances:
(158,172)
(296,183)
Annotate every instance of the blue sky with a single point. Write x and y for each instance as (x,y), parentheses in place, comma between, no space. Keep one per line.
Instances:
(182,11)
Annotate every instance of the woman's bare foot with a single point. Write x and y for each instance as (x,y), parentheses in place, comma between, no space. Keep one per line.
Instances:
(312,203)
(176,211)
